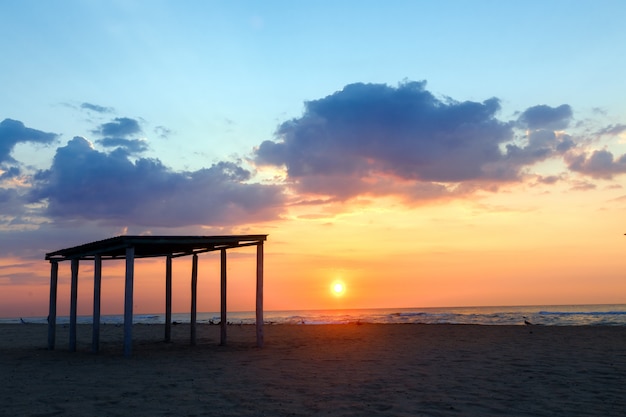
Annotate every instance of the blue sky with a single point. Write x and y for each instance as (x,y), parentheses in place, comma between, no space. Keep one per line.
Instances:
(181,115)
(221,76)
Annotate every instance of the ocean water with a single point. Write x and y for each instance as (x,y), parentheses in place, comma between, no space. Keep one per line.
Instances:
(562,315)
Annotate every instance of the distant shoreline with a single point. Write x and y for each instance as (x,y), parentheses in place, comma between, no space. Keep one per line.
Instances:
(603,314)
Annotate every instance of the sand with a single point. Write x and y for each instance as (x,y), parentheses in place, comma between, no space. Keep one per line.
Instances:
(326,370)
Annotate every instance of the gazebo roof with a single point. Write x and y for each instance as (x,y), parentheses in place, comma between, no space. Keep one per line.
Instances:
(153,246)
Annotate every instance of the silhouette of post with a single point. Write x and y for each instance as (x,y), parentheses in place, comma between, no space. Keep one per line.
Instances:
(259,295)
(223,317)
(128,301)
(97,287)
(168,298)
(194,297)
(73,304)
(52,312)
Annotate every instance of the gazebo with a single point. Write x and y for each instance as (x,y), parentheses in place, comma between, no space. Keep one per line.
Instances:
(132,247)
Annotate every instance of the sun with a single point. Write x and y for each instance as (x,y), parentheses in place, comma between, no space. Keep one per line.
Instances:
(338,288)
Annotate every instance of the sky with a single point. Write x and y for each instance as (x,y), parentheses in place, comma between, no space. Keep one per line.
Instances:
(424,154)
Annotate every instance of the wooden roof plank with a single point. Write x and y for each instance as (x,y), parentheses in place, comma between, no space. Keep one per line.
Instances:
(154,246)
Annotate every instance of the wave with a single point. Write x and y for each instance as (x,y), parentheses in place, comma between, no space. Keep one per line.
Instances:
(574,315)
(582,313)
(415,314)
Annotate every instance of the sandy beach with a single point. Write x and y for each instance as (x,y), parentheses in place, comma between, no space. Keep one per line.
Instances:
(325,370)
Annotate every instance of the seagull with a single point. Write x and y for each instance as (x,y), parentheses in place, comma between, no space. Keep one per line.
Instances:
(526,322)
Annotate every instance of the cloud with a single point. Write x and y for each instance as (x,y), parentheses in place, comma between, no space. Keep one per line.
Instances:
(162,132)
(598,164)
(549,180)
(546,117)
(582,186)
(376,139)
(539,145)
(119,134)
(87,184)
(34,242)
(11,203)
(96,108)
(133,146)
(613,130)
(11,172)
(13,132)
(120,127)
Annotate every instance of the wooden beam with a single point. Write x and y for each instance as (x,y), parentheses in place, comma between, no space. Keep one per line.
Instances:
(260,340)
(128,301)
(168,298)
(223,317)
(52,312)
(97,287)
(194,296)
(73,304)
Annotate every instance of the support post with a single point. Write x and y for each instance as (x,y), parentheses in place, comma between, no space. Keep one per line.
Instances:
(223,317)
(73,304)
(194,296)
(52,312)
(259,296)
(168,298)
(128,301)
(97,286)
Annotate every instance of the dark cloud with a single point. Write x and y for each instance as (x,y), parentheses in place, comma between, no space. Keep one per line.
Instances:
(83,183)
(133,146)
(120,127)
(546,117)
(549,180)
(13,132)
(565,144)
(540,144)
(368,137)
(119,134)
(598,164)
(613,130)
(32,242)
(11,203)
(96,108)
(11,172)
